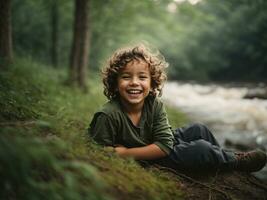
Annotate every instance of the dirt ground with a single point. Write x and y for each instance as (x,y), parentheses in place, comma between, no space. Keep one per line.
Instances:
(223,186)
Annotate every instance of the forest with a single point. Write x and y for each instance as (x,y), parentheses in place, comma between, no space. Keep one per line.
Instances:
(51,53)
(202,40)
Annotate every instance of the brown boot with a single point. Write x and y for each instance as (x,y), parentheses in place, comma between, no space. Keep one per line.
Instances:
(251,161)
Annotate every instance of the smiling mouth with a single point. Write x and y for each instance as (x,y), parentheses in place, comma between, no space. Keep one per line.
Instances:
(134,91)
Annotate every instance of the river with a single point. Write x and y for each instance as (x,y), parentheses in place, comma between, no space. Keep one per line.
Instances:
(232,118)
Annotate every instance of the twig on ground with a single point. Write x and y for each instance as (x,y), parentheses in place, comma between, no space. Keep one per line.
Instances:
(256,182)
(209,186)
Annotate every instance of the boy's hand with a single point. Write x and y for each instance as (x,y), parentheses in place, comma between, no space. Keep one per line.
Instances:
(120,150)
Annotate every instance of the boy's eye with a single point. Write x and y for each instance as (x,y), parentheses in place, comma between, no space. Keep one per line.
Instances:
(143,77)
(125,77)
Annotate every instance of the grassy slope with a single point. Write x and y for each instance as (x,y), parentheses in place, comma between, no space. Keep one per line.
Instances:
(44,150)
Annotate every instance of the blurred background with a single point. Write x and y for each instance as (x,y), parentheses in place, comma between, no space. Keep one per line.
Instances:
(202,40)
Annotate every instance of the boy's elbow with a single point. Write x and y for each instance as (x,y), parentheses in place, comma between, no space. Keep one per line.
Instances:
(164,148)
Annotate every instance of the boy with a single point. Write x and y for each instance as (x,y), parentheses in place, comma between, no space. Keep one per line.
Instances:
(134,122)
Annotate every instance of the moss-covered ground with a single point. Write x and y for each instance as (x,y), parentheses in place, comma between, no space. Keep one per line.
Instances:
(45,152)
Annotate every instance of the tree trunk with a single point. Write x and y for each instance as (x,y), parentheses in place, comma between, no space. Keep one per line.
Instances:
(6,54)
(54,33)
(80,44)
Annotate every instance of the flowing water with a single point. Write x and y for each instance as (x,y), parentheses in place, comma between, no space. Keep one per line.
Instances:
(225,111)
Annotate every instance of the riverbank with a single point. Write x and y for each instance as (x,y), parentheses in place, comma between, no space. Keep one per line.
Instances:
(45,152)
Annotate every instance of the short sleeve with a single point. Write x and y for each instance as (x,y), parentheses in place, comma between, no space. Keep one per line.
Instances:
(162,134)
(102,129)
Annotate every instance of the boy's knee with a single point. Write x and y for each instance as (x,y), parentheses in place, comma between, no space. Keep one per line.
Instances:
(202,146)
(199,126)
(200,154)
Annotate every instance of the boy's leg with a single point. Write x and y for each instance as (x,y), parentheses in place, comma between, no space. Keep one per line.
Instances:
(201,154)
(195,132)
(196,147)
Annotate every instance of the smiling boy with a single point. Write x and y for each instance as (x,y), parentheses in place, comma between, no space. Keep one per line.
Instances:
(134,121)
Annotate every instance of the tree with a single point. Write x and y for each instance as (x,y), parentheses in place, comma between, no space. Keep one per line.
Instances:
(80,44)
(54,32)
(6,53)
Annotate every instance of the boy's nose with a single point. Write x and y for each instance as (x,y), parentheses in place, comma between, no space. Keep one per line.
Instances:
(134,81)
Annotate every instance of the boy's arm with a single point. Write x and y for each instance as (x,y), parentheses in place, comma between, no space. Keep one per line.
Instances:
(102,130)
(148,152)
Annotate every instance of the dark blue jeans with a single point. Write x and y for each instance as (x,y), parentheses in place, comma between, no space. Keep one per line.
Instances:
(196,148)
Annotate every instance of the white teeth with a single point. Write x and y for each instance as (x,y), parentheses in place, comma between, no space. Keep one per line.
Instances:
(134,91)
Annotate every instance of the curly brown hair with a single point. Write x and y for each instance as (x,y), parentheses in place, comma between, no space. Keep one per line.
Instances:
(122,57)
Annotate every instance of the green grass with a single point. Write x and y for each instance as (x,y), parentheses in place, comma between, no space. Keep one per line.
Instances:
(45,152)
(176,118)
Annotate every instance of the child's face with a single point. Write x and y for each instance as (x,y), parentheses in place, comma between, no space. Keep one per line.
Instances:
(134,83)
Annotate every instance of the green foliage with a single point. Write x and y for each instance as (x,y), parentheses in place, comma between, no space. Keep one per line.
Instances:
(30,170)
(176,118)
(31,22)
(45,152)
(225,40)
(35,162)
(209,40)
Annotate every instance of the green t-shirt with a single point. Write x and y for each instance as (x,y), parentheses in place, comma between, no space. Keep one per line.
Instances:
(111,126)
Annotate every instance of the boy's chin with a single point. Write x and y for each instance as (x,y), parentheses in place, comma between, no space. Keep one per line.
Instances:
(134,101)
